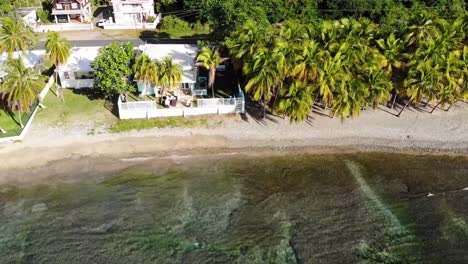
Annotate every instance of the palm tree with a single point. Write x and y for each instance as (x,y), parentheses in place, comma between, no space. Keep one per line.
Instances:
(392,48)
(21,86)
(263,75)
(58,50)
(350,99)
(296,101)
(210,59)
(170,74)
(379,86)
(306,64)
(146,71)
(246,41)
(15,36)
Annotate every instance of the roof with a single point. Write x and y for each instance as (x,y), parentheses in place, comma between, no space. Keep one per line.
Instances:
(24,11)
(30,59)
(80,59)
(182,54)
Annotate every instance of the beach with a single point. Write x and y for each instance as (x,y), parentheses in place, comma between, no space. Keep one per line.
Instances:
(375,130)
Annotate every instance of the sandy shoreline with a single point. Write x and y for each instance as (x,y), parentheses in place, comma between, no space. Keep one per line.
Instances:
(414,132)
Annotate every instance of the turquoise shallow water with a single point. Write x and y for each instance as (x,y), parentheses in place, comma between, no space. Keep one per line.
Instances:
(360,208)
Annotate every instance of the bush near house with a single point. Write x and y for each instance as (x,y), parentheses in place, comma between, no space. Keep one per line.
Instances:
(176,27)
(151,19)
(43,15)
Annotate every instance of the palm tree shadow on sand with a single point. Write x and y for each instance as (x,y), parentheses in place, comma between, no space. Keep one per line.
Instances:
(254,110)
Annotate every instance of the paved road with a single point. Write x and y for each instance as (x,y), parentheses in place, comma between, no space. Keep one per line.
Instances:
(136,42)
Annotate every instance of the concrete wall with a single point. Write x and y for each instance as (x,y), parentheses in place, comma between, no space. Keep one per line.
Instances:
(132,111)
(74,83)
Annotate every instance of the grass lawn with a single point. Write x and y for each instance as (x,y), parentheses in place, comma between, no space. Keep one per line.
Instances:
(78,109)
(140,124)
(9,122)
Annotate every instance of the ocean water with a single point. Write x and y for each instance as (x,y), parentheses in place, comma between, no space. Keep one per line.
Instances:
(348,208)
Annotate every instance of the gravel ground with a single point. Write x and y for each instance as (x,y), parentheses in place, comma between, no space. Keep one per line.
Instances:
(375,129)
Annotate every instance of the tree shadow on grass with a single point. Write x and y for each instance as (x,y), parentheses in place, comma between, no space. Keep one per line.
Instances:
(92,95)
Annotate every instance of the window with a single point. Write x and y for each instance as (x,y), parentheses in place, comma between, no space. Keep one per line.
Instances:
(84,75)
(67,75)
(75,74)
(74,6)
(59,6)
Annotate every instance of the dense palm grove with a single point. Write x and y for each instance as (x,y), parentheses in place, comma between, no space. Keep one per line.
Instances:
(350,64)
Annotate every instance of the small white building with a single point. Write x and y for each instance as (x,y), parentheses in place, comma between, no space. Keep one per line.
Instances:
(28,15)
(77,72)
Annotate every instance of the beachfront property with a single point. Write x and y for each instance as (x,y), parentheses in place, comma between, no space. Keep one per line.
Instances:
(182,54)
(71,11)
(78,73)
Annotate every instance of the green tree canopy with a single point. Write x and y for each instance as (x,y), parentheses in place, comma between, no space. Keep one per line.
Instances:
(21,86)
(112,69)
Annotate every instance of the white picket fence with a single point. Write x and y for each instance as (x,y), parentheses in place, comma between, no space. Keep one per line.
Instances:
(147,109)
(25,130)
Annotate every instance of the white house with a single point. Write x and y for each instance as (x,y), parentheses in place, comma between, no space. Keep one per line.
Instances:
(132,11)
(129,14)
(77,72)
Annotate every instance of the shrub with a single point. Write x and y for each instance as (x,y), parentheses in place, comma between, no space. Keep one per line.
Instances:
(199,27)
(175,24)
(151,19)
(43,15)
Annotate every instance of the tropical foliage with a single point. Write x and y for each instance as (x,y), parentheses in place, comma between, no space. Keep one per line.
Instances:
(58,50)
(15,36)
(164,73)
(210,59)
(21,86)
(112,69)
(348,65)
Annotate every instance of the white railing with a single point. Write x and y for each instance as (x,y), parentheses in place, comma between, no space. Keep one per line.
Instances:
(213,102)
(147,109)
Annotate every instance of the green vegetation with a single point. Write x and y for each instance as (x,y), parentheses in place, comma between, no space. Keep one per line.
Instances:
(21,86)
(176,28)
(112,69)
(210,59)
(10,123)
(58,50)
(154,72)
(77,110)
(140,124)
(351,64)
(15,36)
